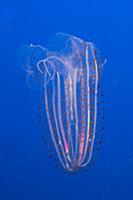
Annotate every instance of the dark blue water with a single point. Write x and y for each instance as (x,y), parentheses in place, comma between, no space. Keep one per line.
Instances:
(26,171)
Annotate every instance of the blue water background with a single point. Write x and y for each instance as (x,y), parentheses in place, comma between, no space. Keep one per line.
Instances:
(26,171)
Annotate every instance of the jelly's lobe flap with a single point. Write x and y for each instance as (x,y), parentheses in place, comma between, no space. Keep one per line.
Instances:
(29,55)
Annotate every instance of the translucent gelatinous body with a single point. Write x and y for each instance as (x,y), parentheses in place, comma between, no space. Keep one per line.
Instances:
(68,70)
